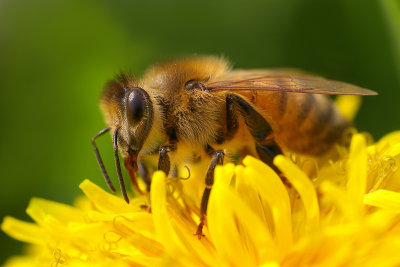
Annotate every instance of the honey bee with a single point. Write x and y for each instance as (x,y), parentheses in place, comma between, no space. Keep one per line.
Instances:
(200,104)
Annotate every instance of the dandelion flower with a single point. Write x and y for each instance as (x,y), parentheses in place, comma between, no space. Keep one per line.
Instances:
(344,213)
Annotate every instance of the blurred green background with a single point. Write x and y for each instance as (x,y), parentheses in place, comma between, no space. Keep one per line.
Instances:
(55,57)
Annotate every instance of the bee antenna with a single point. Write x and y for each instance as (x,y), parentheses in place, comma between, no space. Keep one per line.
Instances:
(99,160)
(118,165)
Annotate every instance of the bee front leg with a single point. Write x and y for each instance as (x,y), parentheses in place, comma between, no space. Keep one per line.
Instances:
(217,160)
(258,126)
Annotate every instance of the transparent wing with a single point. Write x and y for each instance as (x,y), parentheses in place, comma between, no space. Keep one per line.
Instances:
(284,80)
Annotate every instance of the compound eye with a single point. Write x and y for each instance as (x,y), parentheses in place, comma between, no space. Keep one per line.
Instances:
(136,104)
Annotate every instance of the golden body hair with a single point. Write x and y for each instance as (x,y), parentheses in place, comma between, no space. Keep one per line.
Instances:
(198,108)
(191,108)
(301,122)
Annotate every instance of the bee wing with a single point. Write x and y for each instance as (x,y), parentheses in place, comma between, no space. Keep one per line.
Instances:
(284,80)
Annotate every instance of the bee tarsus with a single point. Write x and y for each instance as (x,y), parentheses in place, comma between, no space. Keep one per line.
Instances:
(217,160)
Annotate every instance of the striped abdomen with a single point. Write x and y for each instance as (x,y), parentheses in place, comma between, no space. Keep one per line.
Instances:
(303,123)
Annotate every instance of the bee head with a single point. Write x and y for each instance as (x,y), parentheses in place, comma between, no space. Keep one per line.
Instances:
(127,106)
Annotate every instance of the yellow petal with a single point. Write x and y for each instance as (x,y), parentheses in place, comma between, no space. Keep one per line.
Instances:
(250,196)
(23,231)
(357,169)
(230,220)
(383,199)
(164,229)
(41,209)
(390,139)
(340,200)
(102,200)
(270,187)
(270,264)
(303,185)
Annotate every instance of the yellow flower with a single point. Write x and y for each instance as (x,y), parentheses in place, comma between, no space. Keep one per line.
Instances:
(345,213)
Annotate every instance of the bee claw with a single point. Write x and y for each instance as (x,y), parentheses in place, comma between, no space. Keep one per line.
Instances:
(199,235)
(199,231)
(146,208)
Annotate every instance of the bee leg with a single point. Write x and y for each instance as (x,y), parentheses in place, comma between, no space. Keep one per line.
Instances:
(100,161)
(267,153)
(144,173)
(118,166)
(217,160)
(258,126)
(164,163)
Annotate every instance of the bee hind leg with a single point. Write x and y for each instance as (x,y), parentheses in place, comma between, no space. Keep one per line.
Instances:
(267,154)
(258,126)
(217,160)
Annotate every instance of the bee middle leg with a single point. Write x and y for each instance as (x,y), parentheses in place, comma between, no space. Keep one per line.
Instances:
(164,164)
(262,133)
(217,160)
